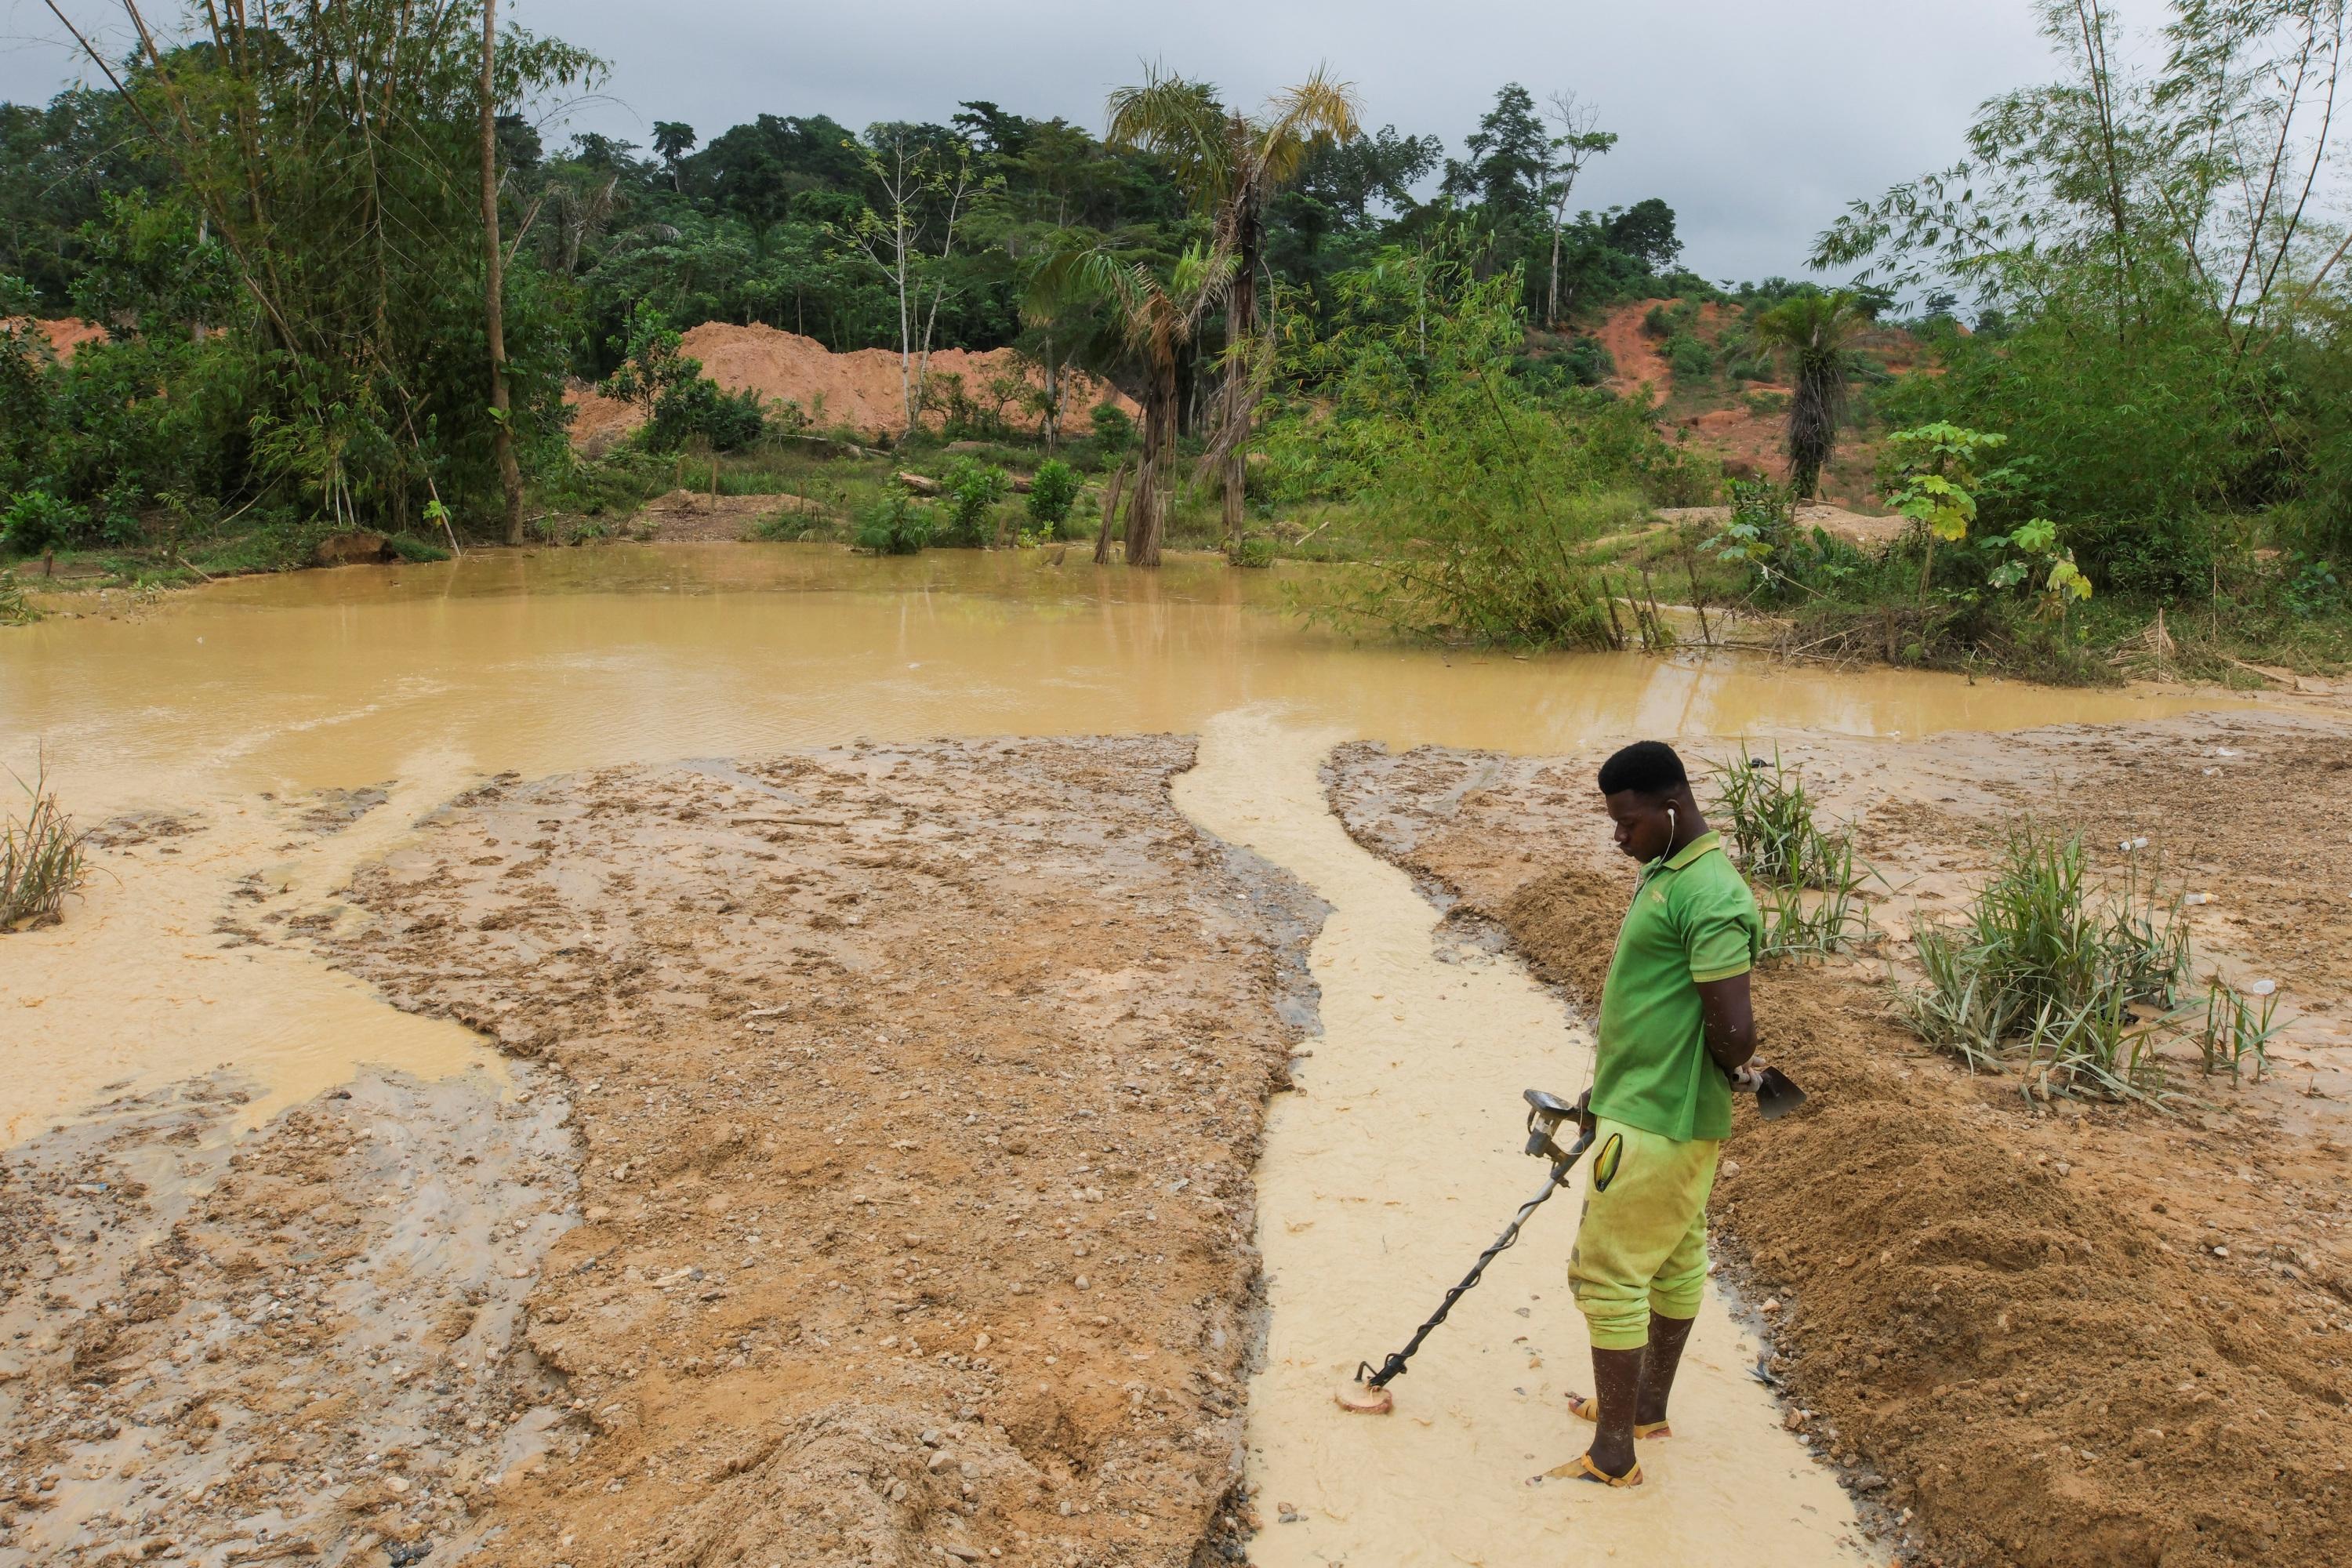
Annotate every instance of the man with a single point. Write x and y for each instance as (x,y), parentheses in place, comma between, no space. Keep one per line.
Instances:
(1674,1031)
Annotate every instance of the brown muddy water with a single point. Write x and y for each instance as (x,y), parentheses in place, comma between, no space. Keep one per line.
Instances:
(249,746)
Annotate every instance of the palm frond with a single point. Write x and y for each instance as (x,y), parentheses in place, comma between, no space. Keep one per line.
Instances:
(1299,119)
(1182,120)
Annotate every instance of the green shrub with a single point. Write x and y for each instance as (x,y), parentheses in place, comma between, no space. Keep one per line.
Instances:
(1805,874)
(1252,549)
(1053,491)
(1765,405)
(1113,430)
(418,550)
(729,421)
(1657,324)
(2314,589)
(897,524)
(1587,363)
(1690,359)
(970,492)
(37,522)
(2166,557)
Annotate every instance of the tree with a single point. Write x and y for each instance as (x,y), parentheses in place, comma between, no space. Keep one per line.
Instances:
(926,182)
(494,284)
(1158,320)
(673,139)
(1645,231)
(336,159)
(1229,165)
(1509,160)
(1578,143)
(1816,332)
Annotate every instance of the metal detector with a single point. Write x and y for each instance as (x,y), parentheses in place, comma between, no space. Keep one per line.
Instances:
(1368,1393)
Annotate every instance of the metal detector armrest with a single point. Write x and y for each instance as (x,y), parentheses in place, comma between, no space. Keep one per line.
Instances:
(1545,1114)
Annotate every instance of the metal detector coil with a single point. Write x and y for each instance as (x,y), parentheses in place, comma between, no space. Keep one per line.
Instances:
(1545,1114)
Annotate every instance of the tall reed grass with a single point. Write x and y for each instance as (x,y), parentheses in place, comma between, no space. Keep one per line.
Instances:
(1806,876)
(41,860)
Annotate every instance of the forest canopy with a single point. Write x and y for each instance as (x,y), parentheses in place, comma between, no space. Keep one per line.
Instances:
(280,232)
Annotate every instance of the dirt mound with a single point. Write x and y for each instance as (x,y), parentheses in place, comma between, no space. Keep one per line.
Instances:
(66,334)
(861,389)
(2031,1330)
(917,1091)
(598,421)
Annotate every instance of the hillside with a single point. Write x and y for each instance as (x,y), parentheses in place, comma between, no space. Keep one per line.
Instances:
(1739,424)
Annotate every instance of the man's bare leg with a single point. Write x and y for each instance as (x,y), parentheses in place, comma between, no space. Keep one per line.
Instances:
(1659,1363)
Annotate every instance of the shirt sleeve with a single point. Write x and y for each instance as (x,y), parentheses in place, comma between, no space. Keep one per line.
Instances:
(1719,932)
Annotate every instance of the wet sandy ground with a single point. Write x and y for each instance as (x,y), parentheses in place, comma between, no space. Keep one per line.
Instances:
(2022,1331)
(916,1092)
(282,1350)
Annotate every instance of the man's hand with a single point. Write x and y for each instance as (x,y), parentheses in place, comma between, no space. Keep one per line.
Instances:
(1730,1021)
(1585,1120)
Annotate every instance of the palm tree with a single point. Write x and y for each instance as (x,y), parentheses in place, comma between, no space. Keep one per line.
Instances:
(1157,319)
(1816,332)
(1229,166)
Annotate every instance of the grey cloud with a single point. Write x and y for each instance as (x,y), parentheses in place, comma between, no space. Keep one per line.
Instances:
(1756,121)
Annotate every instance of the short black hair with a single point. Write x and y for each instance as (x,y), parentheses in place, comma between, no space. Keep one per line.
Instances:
(1647,767)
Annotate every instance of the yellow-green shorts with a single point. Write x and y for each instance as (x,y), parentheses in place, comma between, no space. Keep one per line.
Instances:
(1641,1243)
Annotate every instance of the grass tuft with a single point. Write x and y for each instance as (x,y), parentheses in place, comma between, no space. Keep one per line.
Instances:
(15,608)
(41,861)
(2080,981)
(1805,876)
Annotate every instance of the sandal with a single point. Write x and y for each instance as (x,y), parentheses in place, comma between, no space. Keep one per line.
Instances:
(1587,1409)
(1582,1468)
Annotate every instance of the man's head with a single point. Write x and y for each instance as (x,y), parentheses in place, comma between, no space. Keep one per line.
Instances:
(1648,795)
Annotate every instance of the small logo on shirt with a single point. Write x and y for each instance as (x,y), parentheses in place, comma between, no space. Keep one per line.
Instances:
(1604,1168)
(1657,895)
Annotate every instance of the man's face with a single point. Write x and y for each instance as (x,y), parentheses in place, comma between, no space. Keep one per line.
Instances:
(1643,826)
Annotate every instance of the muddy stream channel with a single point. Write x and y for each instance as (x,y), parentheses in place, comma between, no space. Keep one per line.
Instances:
(248,750)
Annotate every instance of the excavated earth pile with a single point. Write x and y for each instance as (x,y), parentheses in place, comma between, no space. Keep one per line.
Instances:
(916,1091)
(2029,1334)
(862,389)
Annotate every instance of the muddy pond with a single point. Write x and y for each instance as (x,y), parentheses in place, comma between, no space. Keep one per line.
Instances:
(673,824)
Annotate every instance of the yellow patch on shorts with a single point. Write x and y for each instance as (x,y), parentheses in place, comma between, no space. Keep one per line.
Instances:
(1604,1164)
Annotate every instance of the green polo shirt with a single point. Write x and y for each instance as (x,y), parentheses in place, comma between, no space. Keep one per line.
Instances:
(1693,921)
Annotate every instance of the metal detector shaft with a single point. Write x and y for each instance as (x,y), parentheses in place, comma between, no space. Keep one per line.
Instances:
(1395,1365)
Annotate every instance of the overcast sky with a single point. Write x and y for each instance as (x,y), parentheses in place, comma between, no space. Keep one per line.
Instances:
(1756,121)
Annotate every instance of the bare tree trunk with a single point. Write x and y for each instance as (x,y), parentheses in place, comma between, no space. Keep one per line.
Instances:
(494,285)
(1145,520)
(1049,419)
(1110,512)
(1242,315)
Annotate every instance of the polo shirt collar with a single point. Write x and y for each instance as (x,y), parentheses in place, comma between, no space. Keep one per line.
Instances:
(1689,852)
